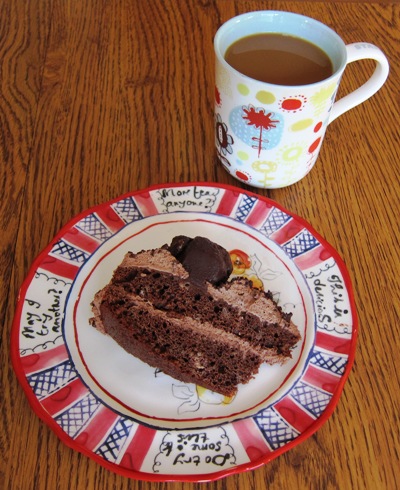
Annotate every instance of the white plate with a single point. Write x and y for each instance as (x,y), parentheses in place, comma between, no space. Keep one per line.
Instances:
(134,419)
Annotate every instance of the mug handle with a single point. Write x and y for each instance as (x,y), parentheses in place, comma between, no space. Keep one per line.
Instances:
(355,52)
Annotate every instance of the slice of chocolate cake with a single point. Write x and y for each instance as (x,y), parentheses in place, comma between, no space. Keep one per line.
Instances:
(175,309)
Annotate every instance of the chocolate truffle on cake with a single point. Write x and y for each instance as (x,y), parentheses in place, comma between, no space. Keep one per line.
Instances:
(175,309)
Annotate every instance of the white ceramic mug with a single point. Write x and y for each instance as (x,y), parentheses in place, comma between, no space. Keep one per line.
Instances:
(267,135)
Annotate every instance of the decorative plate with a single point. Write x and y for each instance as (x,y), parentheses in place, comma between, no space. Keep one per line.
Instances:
(134,419)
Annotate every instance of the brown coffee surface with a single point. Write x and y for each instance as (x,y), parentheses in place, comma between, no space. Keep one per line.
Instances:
(279,59)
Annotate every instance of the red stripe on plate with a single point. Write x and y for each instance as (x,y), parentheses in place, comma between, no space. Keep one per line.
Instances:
(259,213)
(333,343)
(251,438)
(321,378)
(76,237)
(110,218)
(138,448)
(98,428)
(314,257)
(146,204)
(294,414)
(63,398)
(228,202)
(59,267)
(42,360)
(289,230)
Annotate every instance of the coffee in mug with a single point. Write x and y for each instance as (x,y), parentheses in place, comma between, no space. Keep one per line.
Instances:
(279,59)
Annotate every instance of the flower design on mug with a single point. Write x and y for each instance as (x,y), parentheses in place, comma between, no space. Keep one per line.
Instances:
(249,124)
(266,169)
(223,139)
(260,120)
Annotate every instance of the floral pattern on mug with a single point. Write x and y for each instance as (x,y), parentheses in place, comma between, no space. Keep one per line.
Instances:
(223,139)
(250,124)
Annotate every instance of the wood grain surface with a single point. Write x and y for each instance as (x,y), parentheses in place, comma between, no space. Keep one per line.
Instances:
(99,98)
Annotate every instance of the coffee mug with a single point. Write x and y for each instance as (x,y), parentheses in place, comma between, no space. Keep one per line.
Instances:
(269,135)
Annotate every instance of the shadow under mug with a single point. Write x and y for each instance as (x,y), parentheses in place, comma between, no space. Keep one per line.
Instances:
(268,135)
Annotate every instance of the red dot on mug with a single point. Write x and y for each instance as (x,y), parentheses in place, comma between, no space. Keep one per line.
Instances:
(242,175)
(314,146)
(291,104)
(317,127)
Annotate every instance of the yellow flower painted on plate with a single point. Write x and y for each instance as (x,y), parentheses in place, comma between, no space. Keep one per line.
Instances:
(257,283)
(240,261)
(212,398)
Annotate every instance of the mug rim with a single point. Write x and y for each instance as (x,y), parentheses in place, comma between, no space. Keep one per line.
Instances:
(282,13)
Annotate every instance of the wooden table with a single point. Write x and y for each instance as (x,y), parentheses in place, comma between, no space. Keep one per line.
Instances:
(101,98)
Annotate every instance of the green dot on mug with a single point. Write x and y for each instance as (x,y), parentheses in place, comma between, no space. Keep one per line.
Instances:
(300,125)
(265,97)
(243,89)
(292,153)
(243,155)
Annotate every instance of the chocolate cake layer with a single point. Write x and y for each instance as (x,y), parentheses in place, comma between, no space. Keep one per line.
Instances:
(213,335)
(184,348)
(224,307)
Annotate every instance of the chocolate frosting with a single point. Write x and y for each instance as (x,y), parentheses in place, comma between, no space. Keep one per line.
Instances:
(203,259)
